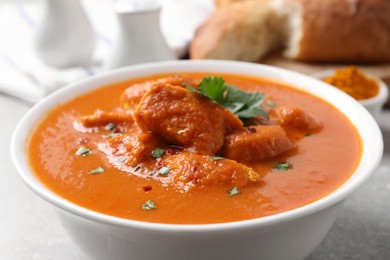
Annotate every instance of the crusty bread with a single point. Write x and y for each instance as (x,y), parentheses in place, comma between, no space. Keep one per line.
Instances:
(240,31)
(340,31)
(310,30)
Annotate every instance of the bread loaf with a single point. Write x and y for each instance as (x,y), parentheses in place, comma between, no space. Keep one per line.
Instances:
(309,30)
(245,30)
(340,31)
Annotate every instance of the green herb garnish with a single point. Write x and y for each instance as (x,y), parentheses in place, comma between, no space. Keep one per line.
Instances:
(97,170)
(137,168)
(308,134)
(158,152)
(243,104)
(189,87)
(164,171)
(110,126)
(233,191)
(217,158)
(122,159)
(284,166)
(149,205)
(110,135)
(153,172)
(270,103)
(83,151)
(214,88)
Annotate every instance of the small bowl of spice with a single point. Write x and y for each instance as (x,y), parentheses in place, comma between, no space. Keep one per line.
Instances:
(369,90)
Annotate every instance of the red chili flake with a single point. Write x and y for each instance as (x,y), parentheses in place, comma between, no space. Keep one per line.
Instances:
(251,130)
(160,164)
(170,151)
(147,188)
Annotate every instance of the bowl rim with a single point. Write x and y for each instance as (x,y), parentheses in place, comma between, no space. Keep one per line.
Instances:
(378,99)
(19,137)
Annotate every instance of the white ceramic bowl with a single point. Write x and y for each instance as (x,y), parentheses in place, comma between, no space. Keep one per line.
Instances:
(375,104)
(290,235)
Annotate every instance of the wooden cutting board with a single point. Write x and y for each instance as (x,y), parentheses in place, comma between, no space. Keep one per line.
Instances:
(381,71)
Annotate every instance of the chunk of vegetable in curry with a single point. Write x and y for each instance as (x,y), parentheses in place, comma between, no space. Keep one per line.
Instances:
(202,150)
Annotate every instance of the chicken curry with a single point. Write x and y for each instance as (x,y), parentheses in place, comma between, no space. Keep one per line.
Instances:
(192,148)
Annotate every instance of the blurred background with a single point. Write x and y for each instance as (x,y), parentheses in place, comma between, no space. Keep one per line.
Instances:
(46,44)
(24,29)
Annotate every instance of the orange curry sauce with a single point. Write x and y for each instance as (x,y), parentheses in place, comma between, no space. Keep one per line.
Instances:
(321,161)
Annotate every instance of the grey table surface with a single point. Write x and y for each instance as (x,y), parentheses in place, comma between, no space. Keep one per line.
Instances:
(29,228)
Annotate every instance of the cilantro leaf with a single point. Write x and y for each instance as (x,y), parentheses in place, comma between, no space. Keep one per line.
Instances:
(248,103)
(158,152)
(97,170)
(282,166)
(217,158)
(213,88)
(233,191)
(83,151)
(164,171)
(244,104)
(190,88)
(110,126)
(271,103)
(149,205)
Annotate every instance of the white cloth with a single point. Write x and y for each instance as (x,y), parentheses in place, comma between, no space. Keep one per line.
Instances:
(24,75)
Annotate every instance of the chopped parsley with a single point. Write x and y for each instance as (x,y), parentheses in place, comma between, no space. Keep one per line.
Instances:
(270,103)
(282,166)
(216,158)
(110,126)
(243,104)
(83,151)
(308,134)
(137,168)
(189,87)
(164,171)
(149,205)
(122,159)
(158,152)
(110,135)
(233,191)
(97,170)
(213,88)
(153,172)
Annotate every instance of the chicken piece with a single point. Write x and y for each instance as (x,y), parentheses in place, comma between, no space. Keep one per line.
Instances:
(135,148)
(296,118)
(256,143)
(101,118)
(133,94)
(184,118)
(194,170)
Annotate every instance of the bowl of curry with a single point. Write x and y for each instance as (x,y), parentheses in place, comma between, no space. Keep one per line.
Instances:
(197,160)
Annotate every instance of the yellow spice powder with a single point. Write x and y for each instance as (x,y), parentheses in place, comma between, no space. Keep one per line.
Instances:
(354,82)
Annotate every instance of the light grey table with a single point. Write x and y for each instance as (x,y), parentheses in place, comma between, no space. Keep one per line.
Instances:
(29,228)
